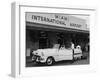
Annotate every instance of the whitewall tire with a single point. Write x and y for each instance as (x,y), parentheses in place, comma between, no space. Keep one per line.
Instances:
(49,61)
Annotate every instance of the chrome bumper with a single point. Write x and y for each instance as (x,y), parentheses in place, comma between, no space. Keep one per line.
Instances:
(36,58)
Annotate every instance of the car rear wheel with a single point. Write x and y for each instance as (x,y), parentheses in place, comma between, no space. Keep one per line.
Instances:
(49,61)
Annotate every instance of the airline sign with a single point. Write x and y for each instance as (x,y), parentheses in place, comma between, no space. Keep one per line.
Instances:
(57,20)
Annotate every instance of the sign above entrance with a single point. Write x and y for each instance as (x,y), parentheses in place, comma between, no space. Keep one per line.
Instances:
(54,20)
(59,20)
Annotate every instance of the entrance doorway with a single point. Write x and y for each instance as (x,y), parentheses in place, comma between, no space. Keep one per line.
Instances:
(43,43)
(43,40)
(60,39)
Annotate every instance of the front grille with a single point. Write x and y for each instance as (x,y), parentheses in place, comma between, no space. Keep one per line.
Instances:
(36,57)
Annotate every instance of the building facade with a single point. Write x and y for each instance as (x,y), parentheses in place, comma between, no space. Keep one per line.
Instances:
(45,30)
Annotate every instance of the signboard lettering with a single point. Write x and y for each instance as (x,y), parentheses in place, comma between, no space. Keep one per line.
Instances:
(57,20)
(49,20)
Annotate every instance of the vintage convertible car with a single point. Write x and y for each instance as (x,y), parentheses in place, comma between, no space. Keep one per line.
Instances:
(51,55)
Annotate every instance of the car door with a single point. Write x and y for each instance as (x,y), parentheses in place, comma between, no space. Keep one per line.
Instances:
(65,54)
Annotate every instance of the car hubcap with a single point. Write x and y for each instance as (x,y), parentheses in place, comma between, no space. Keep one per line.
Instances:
(49,61)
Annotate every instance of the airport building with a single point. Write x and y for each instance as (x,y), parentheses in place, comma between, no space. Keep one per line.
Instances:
(44,30)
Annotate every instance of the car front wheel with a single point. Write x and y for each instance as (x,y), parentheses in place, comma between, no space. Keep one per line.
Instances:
(49,61)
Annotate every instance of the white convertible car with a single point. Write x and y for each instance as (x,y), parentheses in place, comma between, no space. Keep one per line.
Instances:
(51,55)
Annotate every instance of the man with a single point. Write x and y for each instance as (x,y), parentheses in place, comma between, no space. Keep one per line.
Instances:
(72,45)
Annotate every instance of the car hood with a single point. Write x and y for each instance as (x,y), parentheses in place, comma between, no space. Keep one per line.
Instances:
(45,51)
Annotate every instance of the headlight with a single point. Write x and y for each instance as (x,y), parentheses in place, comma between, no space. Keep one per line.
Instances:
(42,53)
(32,52)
